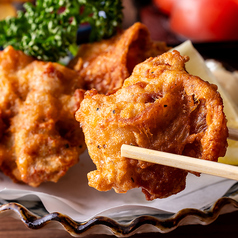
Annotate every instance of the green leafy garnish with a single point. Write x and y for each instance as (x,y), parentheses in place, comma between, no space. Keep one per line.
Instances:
(48,29)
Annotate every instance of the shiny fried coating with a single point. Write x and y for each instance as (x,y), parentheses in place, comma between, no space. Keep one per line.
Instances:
(159,107)
(40,138)
(106,64)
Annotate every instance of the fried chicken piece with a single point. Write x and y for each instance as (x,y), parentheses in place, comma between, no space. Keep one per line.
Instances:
(159,107)
(40,138)
(106,64)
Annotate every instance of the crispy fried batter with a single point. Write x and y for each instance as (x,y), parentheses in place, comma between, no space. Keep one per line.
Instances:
(159,107)
(105,65)
(40,138)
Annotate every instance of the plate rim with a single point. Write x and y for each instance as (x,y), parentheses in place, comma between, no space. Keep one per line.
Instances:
(139,224)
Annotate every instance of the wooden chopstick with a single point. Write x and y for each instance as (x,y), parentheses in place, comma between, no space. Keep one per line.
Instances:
(180,161)
(184,162)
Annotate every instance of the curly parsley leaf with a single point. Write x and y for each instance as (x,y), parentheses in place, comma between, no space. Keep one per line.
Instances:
(48,29)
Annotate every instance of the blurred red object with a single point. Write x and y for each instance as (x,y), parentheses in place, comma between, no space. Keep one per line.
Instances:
(165,5)
(202,20)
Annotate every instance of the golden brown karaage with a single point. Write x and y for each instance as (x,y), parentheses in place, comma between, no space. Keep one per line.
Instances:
(40,138)
(160,107)
(106,64)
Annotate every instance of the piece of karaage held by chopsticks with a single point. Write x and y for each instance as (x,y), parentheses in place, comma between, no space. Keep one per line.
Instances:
(160,107)
(106,64)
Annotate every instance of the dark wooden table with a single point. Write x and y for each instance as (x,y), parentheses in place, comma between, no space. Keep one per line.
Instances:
(225,226)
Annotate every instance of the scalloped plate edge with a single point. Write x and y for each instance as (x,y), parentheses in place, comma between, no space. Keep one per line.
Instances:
(105,225)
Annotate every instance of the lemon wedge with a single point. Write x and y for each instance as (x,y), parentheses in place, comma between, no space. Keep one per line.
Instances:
(197,66)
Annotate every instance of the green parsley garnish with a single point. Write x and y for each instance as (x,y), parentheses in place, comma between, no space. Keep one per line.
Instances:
(48,29)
